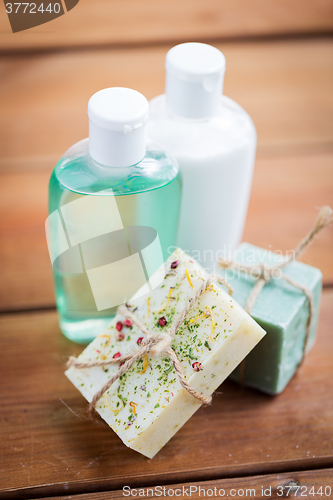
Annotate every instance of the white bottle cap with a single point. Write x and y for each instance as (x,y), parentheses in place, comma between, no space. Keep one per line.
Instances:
(194,79)
(117,127)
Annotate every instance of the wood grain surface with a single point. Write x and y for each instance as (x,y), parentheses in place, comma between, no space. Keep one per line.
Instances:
(285,86)
(286,191)
(272,486)
(50,448)
(128,22)
(280,69)
(287,91)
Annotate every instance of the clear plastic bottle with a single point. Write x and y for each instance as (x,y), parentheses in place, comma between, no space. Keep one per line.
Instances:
(134,197)
(214,141)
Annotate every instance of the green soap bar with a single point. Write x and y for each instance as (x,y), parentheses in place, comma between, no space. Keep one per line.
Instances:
(280,309)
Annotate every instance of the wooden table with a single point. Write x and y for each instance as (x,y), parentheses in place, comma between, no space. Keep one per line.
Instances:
(279,68)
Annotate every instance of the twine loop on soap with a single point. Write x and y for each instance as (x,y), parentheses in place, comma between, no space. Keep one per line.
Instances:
(155,344)
(264,274)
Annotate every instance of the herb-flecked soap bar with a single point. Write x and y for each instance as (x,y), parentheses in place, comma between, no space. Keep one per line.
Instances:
(282,310)
(147,405)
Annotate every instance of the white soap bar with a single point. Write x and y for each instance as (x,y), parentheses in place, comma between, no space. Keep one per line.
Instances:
(148,405)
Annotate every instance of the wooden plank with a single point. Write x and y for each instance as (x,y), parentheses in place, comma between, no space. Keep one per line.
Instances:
(286,190)
(285,87)
(286,194)
(48,450)
(130,22)
(318,482)
(25,267)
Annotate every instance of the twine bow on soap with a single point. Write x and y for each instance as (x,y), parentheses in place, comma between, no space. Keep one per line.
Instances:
(155,344)
(264,273)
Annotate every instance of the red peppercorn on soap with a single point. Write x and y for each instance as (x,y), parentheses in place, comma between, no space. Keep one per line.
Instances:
(147,405)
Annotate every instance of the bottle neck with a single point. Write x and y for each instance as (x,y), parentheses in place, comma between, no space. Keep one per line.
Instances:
(113,148)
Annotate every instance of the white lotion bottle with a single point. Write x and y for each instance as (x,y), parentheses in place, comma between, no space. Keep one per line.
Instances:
(214,141)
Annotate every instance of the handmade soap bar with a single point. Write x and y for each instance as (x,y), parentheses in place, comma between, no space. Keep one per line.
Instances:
(148,405)
(282,310)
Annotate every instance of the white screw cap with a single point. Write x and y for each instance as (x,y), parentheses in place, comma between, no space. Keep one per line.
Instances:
(117,127)
(194,79)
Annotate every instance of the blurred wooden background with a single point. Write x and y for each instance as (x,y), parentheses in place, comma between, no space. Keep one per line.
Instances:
(279,68)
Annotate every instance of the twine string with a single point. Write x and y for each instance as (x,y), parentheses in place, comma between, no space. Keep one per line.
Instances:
(154,344)
(159,343)
(264,274)
(324,219)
